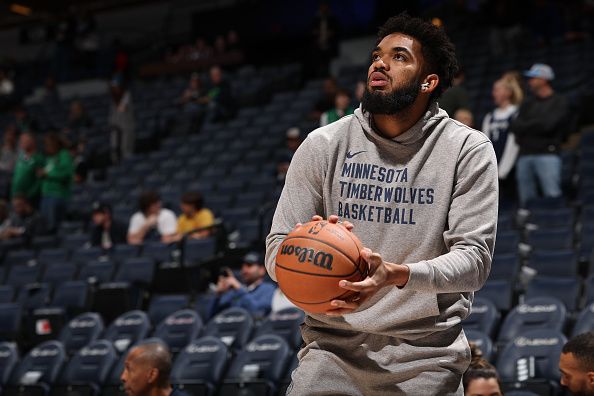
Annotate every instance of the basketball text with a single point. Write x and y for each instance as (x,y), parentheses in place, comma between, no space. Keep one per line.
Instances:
(317,258)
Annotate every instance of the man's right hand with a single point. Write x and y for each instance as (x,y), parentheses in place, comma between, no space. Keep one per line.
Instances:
(333,219)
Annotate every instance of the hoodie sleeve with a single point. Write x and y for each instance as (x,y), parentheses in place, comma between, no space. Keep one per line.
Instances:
(472,223)
(301,197)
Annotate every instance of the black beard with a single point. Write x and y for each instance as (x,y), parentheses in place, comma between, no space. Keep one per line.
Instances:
(400,99)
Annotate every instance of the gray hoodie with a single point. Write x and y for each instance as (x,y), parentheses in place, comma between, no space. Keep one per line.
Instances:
(427,199)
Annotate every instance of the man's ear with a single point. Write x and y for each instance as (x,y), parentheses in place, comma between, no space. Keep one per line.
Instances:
(430,83)
(153,375)
(590,376)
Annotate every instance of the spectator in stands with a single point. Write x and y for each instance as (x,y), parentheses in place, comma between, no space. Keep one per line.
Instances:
(507,95)
(284,157)
(23,121)
(24,221)
(56,180)
(326,100)
(464,116)
(6,84)
(79,158)
(540,128)
(455,97)
(219,99)
(78,119)
(219,46)
(190,98)
(201,50)
(253,294)
(105,230)
(481,378)
(24,178)
(121,120)
(342,107)
(233,42)
(152,222)
(194,216)
(51,96)
(577,364)
(146,371)
(8,151)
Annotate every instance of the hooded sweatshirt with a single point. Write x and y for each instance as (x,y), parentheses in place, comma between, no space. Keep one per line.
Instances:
(427,199)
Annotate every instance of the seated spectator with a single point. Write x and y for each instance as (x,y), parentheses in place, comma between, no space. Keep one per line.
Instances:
(146,371)
(253,294)
(284,156)
(24,178)
(8,152)
(105,230)
(194,216)
(219,99)
(24,221)
(342,107)
(465,117)
(23,121)
(190,98)
(326,100)
(56,180)
(152,222)
(78,119)
(577,364)
(481,378)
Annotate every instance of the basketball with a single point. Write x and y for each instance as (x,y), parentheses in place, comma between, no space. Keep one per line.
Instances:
(313,259)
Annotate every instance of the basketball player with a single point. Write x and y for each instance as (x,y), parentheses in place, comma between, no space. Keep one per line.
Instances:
(420,191)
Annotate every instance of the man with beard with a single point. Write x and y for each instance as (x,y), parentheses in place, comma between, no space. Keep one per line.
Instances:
(577,365)
(420,191)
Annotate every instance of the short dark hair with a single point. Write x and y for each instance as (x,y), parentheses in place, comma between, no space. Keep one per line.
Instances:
(193,198)
(146,199)
(438,51)
(582,347)
(157,355)
(479,368)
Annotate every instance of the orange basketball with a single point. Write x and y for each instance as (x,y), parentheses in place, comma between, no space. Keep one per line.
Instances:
(313,259)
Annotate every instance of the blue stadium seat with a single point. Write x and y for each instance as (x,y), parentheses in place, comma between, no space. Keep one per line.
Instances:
(38,370)
(88,369)
(33,295)
(18,257)
(6,293)
(9,357)
(507,242)
(233,326)
(97,271)
(199,368)
(127,329)
(86,254)
(536,313)
(137,270)
(482,341)
(483,317)
(195,251)
(560,263)
(20,275)
(567,290)
(119,253)
(284,323)
(44,242)
(585,321)
(162,306)
(589,289)
(551,217)
(59,272)
(505,266)
(543,347)
(80,331)
(550,239)
(258,368)
(499,292)
(10,321)
(179,329)
(72,241)
(52,255)
(157,251)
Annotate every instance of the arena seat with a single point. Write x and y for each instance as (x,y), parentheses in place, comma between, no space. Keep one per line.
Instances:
(157,251)
(58,272)
(179,329)
(538,348)
(257,368)
(589,289)
(127,329)
(505,266)
(22,274)
(52,255)
(483,317)
(199,368)
(81,331)
(10,321)
(99,271)
(566,289)
(285,324)
(87,370)
(18,257)
(499,292)
(85,254)
(72,241)
(551,239)
(555,263)
(234,326)
(551,217)
(9,357)
(37,371)
(482,341)
(507,242)
(536,313)
(195,251)
(162,306)
(585,321)
(33,295)
(6,294)
(121,252)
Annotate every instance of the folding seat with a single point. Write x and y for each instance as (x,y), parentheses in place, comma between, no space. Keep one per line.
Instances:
(119,253)
(18,257)
(567,290)
(532,359)
(97,271)
(586,241)
(44,242)
(200,366)
(589,290)
(196,251)
(158,251)
(6,294)
(33,295)
(162,306)
(127,329)
(562,263)
(233,326)
(552,218)
(52,255)
(75,241)
(59,272)
(258,368)
(505,266)
(179,329)
(499,292)
(482,341)
(85,254)
(544,203)
(536,313)
(20,275)
(219,202)
(284,323)
(550,239)
(87,370)
(37,372)
(234,216)
(203,303)
(80,331)
(483,317)
(507,242)
(9,357)
(584,322)
(10,321)
(113,384)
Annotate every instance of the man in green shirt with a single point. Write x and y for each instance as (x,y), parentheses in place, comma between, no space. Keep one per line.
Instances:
(24,179)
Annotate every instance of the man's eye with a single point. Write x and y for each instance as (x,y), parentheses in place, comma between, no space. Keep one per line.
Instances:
(399,57)
(375,58)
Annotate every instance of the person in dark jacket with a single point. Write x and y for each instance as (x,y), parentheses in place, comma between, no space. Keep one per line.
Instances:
(540,128)
(106,231)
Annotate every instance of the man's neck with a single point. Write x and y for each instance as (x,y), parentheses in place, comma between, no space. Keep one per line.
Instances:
(166,391)
(545,92)
(394,125)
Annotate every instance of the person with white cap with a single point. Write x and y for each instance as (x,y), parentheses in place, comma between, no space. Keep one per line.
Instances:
(540,128)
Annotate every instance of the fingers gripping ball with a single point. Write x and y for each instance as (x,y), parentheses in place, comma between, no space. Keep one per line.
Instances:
(312,260)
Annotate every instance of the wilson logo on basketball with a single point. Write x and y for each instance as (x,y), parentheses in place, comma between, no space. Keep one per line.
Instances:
(318,258)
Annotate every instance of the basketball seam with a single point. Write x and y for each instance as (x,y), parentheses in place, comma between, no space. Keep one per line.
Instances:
(349,233)
(321,302)
(309,273)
